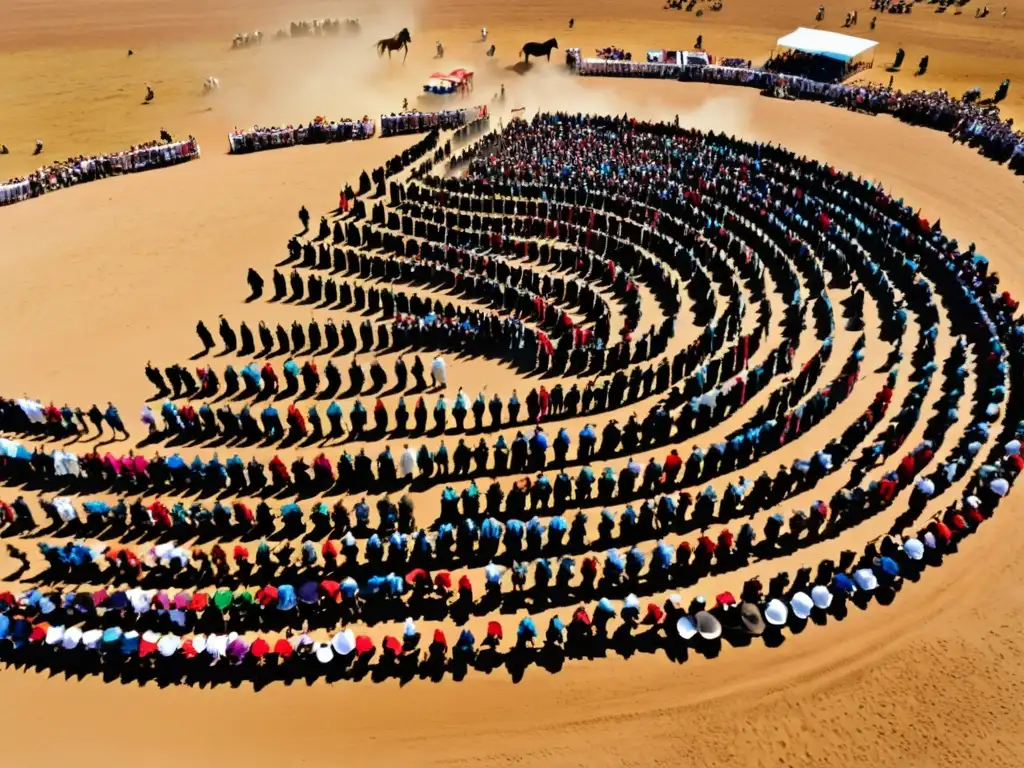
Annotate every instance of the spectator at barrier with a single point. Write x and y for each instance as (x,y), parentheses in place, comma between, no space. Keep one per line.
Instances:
(318,131)
(79,170)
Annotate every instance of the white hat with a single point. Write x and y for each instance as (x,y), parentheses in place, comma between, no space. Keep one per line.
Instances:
(92,638)
(344,642)
(686,627)
(168,645)
(822,597)
(72,637)
(216,645)
(324,654)
(54,635)
(801,605)
(865,579)
(914,549)
(776,613)
(140,599)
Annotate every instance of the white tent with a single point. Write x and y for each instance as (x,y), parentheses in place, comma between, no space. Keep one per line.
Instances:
(822,43)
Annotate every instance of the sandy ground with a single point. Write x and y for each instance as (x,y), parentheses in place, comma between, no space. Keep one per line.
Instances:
(102,278)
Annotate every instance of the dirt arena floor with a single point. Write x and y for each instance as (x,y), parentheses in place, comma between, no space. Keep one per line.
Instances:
(100,279)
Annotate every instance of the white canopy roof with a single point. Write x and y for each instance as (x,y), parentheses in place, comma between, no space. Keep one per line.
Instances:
(831,44)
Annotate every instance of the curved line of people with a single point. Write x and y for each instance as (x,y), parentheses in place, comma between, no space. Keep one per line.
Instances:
(121,623)
(138,634)
(489,279)
(309,373)
(880,493)
(964,120)
(988,485)
(667,568)
(354,473)
(96,466)
(135,469)
(25,416)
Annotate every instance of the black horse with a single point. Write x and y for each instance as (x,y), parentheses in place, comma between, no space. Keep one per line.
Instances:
(539,49)
(399,42)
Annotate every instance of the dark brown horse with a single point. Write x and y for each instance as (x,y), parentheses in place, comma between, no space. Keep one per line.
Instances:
(539,49)
(399,42)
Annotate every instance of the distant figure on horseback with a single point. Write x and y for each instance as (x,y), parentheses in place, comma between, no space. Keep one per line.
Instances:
(165,136)
(211,84)
(149,94)
(39,147)
(399,42)
(440,51)
(539,49)
(483,34)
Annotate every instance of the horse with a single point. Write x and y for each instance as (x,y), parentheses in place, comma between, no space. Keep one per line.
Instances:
(538,49)
(211,84)
(399,42)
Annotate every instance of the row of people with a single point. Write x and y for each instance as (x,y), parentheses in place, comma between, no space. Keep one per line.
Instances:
(82,169)
(318,131)
(420,122)
(980,125)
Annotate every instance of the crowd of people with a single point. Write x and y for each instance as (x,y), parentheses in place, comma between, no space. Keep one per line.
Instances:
(820,69)
(319,131)
(30,417)
(79,170)
(742,226)
(968,121)
(421,122)
(184,636)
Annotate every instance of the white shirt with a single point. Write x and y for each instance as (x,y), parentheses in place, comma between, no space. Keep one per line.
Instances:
(407,462)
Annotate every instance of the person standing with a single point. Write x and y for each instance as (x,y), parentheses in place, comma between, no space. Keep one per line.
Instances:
(113,418)
(439,372)
(417,373)
(255,284)
(96,417)
(204,336)
(406,463)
